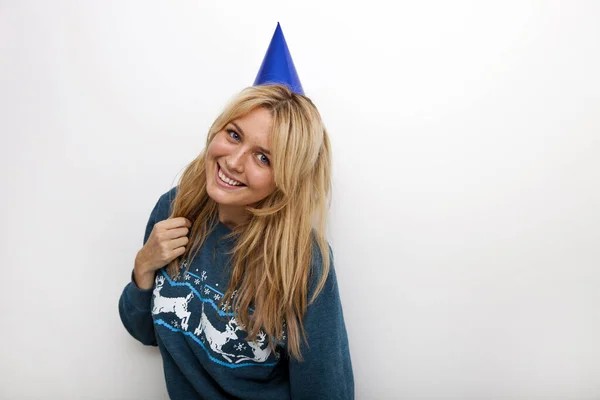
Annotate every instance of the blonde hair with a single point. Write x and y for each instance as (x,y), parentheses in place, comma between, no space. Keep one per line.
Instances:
(274,251)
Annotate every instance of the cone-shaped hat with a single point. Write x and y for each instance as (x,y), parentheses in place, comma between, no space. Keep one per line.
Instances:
(277,66)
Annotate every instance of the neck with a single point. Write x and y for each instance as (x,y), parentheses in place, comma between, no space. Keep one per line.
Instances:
(232,216)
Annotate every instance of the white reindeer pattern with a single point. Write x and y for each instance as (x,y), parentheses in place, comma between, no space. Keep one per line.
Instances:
(177,305)
(260,354)
(216,338)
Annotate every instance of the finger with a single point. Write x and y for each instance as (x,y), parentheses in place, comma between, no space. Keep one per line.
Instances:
(176,232)
(176,222)
(180,242)
(178,251)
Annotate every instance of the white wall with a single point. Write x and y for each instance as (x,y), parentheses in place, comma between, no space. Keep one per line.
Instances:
(465,219)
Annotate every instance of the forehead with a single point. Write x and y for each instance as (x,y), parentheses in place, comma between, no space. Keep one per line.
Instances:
(256,124)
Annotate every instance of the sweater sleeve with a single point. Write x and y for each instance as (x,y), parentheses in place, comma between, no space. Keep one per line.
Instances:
(134,303)
(326,369)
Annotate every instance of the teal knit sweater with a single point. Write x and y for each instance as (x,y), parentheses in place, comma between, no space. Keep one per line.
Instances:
(203,349)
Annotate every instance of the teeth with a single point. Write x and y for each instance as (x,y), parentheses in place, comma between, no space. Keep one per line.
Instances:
(226,179)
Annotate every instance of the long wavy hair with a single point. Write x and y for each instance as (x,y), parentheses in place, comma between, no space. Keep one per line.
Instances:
(273,255)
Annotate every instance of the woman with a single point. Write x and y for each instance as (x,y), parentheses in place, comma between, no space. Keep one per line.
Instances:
(248,307)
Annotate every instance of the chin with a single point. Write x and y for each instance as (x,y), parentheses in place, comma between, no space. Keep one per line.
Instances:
(223,198)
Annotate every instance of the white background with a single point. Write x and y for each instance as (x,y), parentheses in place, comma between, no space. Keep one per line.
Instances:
(465,216)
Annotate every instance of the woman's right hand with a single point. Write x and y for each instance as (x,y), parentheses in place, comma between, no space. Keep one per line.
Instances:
(166,242)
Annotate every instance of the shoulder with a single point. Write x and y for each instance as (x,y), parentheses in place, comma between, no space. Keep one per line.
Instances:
(317,269)
(169,196)
(160,211)
(165,202)
(318,256)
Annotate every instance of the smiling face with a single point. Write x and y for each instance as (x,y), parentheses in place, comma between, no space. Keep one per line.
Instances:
(238,162)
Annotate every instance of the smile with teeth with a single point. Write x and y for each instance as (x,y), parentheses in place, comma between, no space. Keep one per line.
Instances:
(227,180)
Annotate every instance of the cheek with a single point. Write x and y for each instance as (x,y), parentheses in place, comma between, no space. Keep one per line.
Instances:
(217,147)
(264,181)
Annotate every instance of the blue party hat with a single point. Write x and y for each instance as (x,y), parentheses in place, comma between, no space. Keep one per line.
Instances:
(277,66)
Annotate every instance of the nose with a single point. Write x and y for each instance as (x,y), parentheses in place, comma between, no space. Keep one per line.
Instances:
(236,159)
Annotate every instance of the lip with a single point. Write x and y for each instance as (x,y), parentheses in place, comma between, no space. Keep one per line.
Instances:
(222,184)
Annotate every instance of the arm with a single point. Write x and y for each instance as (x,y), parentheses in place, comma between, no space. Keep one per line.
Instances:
(326,371)
(134,303)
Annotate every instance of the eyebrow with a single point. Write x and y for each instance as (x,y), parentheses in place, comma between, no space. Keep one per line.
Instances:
(267,152)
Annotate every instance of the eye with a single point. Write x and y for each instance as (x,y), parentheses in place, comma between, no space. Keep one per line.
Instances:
(231,132)
(263,159)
